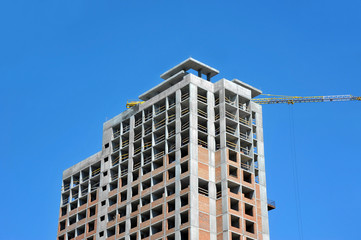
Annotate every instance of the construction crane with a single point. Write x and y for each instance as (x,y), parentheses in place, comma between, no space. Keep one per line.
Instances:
(275,99)
(133,103)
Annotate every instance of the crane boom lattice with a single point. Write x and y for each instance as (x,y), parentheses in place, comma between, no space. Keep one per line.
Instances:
(274,99)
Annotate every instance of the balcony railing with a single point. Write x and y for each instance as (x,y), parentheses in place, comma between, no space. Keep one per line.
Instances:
(202,143)
(231,145)
(244,121)
(245,151)
(184,111)
(185,126)
(159,110)
(139,121)
(148,116)
(184,96)
(231,115)
(202,98)
(244,136)
(171,118)
(202,113)
(159,124)
(230,130)
(227,100)
(116,134)
(126,129)
(202,128)
(246,166)
(244,107)
(160,139)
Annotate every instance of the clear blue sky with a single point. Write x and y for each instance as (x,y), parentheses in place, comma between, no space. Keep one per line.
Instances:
(67,66)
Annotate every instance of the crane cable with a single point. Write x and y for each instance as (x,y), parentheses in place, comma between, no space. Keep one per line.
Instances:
(295,173)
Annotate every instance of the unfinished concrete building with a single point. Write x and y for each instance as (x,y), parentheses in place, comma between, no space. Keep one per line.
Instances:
(187,163)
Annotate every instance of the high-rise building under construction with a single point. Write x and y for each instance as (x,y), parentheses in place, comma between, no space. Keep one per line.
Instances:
(187,162)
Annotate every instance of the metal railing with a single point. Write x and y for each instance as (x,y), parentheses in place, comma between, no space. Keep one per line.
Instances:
(160,139)
(184,111)
(148,130)
(136,166)
(171,133)
(185,126)
(218,194)
(202,143)
(185,141)
(229,101)
(147,145)
(138,136)
(185,96)
(114,177)
(126,129)
(95,172)
(158,155)
(245,151)
(202,98)
(244,121)
(231,145)
(230,130)
(171,104)
(203,191)
(123,172)
(116,148)
(125,143)
(159,110)
(171,148)
(217,131)
(244,107)
(231,115)
(202,113)
(148,116)
(138,122)
(246,166)
(171,118)
(202,128)
(116,134)
(159,124)
(243,136)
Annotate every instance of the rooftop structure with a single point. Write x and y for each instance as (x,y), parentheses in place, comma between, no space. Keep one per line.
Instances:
(187,163)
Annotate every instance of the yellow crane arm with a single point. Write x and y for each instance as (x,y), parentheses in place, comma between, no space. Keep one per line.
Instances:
(133,103)
(274,99)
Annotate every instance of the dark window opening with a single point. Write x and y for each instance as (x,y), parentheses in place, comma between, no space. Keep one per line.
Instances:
(171,223)
(171,206)
(234,204)
(248,209)
(249,226)
(184,217)
(235,221)
(184,200)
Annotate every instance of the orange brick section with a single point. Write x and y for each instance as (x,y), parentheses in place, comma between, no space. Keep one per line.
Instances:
(219,207)
(203,235)
(203,155)
(203,171)
(203,204)
(204,221)
(217,157)
(219,224)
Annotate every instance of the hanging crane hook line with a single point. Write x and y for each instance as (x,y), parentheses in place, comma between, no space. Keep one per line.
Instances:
(295,173)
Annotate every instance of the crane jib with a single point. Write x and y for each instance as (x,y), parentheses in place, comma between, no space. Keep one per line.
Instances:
(295,99)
